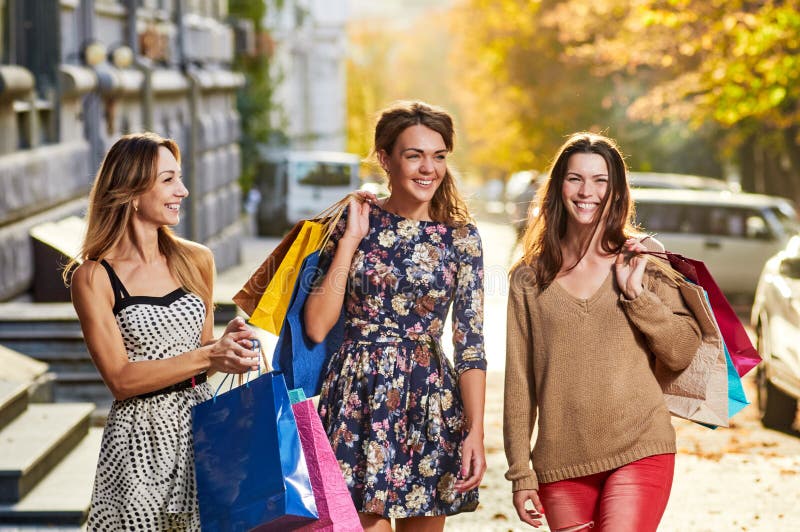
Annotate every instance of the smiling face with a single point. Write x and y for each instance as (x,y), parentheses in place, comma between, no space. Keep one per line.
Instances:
(584,188)
(416,166)
(160,205)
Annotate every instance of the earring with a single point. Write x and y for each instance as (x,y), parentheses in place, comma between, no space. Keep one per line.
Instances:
(135,207)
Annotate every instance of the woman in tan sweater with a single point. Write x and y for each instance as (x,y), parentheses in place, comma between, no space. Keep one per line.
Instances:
(587,316)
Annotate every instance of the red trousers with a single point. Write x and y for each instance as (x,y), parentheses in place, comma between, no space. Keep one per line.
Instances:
(631,498)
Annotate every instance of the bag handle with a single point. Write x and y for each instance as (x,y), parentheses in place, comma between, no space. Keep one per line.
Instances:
(256,346)
(330,217)
(335,208)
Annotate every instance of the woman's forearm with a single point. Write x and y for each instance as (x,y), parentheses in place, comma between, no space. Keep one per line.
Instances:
(473,394)
(324,304)
(134,378)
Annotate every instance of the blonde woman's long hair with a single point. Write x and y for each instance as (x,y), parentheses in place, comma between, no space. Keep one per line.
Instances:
(447,205)
(128,170)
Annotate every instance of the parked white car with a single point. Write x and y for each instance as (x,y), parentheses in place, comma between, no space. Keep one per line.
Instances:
(776,320)
(734,233)
(679,181)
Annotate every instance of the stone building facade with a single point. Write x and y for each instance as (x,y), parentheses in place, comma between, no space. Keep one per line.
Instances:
(75,75)
(309,58)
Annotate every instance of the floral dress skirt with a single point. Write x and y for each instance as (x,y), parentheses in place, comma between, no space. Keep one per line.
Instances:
(394,419)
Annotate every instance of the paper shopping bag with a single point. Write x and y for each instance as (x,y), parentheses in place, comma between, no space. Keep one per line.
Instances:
(337,513)
(302,360)
(737,399)
(270,312)
(250,468)
(266,294)
(698,392)
(248,297)
(744,356)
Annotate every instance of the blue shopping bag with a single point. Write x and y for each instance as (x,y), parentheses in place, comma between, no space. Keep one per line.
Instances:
(301,360)
(250,468)
(737,400)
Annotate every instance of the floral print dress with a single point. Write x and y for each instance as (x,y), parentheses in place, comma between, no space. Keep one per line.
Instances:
(390,400)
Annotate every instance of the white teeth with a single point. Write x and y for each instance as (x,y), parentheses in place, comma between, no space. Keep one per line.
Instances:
(421,182)
(173,207)
(585,205)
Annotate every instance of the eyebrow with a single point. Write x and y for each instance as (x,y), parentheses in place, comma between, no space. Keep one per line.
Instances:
(173,172)
(420,150)
(581,175)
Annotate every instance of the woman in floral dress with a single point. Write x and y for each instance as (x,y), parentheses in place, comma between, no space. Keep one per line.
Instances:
(406,425)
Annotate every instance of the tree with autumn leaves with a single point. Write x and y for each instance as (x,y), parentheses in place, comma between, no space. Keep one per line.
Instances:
(675,81)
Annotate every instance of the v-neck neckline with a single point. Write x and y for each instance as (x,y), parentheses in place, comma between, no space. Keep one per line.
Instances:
(583,300)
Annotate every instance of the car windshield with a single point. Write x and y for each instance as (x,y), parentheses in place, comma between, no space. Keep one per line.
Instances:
(699,219)
(787,217)
(321,174)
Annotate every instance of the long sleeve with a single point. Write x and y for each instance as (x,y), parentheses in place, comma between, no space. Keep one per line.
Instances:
(519,404)
(468,344)
(661,315)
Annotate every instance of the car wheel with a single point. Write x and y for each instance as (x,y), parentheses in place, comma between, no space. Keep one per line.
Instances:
(777,408)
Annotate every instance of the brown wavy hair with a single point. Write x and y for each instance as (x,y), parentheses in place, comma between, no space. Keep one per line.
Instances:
(542,239)
(447,205)
(128,170)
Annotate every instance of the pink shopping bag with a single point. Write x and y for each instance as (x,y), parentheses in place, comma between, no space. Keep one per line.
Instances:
(334,504)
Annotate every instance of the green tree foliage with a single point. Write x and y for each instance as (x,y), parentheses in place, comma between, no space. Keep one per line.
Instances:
(255,101)
(522,93)
(735,63)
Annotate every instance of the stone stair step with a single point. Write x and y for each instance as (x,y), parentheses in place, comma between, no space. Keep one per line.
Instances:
(62,498)
(21,312)
(20,368)
(13,401)
(49,350)
(37,440)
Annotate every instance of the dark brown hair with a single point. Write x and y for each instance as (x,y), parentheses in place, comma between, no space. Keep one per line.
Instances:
(447,205)
(542,240)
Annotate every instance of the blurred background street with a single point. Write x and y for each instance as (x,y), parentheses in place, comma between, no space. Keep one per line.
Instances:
(273,104)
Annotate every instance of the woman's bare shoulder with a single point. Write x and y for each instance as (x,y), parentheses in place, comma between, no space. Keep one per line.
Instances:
(89,273)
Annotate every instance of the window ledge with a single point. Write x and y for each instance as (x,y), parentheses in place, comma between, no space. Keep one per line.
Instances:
(14,81)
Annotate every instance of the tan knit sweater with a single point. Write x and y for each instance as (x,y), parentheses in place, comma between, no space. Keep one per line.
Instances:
(584,365)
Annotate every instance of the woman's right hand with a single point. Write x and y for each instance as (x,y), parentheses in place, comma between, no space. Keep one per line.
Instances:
(357,219)
(229,355)
(532,516)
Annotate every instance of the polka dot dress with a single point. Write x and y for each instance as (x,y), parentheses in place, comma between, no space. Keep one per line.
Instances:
(145,474)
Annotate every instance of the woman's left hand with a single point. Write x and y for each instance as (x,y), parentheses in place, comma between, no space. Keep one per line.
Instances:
(235,325)
(629,268)
(473,462)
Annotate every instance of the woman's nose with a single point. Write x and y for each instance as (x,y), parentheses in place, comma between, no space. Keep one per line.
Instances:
(426,166)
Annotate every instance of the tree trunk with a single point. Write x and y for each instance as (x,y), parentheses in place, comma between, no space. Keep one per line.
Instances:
(790,135)
(747,164)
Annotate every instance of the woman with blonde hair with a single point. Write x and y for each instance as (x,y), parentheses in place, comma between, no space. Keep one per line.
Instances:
(587,317)
(406,427)
(144,300)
